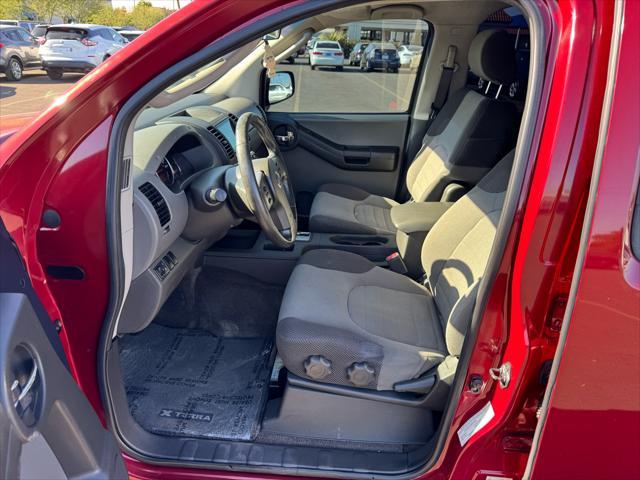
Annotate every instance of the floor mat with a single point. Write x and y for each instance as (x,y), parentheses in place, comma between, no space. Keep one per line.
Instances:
(190,383)
(227,304)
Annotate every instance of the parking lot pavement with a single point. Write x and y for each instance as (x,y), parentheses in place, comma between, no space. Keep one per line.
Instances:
(33,94)
(350,90)
(320,90)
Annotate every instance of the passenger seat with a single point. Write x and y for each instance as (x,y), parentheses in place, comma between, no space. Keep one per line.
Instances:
(467,138)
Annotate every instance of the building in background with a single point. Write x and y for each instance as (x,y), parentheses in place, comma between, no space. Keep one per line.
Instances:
(400,32)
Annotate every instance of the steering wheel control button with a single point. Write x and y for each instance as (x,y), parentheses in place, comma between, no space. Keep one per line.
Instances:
(216,196)
(317,367)
(360,374)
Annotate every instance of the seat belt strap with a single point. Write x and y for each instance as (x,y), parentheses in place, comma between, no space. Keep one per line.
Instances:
(448,69)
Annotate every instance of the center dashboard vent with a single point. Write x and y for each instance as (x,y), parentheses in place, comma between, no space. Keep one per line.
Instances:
(157,201)
(234,121)
(224,143)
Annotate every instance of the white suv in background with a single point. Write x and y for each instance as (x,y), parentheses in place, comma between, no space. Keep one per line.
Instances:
(77,48)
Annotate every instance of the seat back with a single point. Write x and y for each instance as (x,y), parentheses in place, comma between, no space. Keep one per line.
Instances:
(473,130)
(456,251)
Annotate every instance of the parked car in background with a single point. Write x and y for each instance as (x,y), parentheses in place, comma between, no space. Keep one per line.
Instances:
(279,92)
(39,31)
(407,53)
(380,56)
(28,26)
(356,53)
(326,53)
(77,48)
(130,35)
(18,52)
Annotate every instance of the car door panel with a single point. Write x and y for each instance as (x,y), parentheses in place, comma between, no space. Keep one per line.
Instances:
(39,400)
(363,150)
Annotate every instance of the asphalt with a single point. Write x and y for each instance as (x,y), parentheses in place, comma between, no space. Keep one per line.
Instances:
(348,91)
(33,94)
(320,90)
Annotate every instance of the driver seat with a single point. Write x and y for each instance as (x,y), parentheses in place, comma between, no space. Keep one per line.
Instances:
(346,321)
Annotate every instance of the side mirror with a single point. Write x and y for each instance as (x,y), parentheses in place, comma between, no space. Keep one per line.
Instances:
(281,87)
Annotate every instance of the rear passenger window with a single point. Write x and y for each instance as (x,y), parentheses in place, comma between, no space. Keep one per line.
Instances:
(359,67)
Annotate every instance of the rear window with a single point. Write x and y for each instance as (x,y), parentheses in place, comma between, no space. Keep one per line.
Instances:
(66,34)
(327,45)
(39,31)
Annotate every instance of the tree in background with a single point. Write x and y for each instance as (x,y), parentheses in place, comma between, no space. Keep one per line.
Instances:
(44,9)
(110,16)
(80,10)
(11,9)
(145,16)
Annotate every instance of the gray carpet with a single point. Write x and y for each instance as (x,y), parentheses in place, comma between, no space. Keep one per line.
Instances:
(188,382)
(227,304)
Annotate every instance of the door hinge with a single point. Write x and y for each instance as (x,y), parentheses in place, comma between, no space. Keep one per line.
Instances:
(501,374)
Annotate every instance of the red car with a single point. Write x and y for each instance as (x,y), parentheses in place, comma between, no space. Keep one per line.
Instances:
(211,268)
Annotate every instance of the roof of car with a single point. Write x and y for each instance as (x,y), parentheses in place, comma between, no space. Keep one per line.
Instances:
(85,26)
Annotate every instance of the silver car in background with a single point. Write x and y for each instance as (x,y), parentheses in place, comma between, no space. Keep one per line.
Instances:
(18,52)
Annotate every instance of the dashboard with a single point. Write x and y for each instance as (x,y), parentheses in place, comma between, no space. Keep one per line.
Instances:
(180,154)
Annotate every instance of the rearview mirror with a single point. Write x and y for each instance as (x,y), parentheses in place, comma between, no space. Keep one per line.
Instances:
(281,87)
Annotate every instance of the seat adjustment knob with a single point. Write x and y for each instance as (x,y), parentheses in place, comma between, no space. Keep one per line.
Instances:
(360,374)
(317,367)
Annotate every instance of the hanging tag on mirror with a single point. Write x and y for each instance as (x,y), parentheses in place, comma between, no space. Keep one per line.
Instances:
(269,60)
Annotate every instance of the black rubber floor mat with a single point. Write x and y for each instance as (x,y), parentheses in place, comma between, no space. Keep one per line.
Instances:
(189,383)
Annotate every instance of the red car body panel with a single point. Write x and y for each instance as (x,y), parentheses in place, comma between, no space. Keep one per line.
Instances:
(59,162)
(595,401)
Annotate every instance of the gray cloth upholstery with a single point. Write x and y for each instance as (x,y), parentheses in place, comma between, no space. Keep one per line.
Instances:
(466,139)
(341,208)
(342,307)
(362,313)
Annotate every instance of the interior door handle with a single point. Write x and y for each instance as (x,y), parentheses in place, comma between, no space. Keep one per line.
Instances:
(286,139)
(20,393)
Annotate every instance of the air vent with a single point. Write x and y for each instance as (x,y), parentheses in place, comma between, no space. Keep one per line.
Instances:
(224,143)
(157,201)
(234,121)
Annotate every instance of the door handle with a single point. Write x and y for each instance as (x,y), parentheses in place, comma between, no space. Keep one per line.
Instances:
(20,393)
(286,139)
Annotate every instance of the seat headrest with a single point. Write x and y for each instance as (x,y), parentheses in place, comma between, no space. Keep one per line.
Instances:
(492,56)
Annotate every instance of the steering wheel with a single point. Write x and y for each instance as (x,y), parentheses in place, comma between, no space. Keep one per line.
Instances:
(266,183)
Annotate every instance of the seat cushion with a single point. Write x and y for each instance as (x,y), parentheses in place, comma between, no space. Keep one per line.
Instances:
(339,208)
(343,307)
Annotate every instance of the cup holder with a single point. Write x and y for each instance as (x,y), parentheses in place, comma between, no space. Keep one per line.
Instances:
(359,240)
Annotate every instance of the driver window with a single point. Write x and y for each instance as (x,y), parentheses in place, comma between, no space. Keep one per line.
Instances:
(358,67)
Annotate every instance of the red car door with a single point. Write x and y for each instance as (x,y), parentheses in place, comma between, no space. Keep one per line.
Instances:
(48,428)
(591,428)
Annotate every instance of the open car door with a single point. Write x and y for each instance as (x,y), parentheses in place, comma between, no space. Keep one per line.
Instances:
(48,428)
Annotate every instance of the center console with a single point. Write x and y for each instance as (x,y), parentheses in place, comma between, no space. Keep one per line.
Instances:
(250,252)
(413,221)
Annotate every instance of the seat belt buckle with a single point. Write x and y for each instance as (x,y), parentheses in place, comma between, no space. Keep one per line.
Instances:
(396,263)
